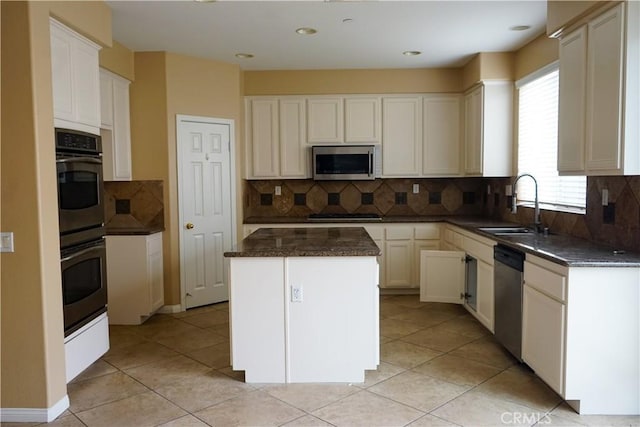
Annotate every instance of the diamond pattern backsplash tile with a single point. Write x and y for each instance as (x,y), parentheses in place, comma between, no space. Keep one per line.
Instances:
(382,196)
(134,204)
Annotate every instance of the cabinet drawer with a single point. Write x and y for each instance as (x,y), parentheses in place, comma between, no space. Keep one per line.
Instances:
(545,281)
(478,250)
(376,233)
(427,232)
(399,233)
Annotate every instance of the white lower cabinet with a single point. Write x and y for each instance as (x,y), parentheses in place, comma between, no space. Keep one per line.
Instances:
(581,334)
(135,281)
(443,275)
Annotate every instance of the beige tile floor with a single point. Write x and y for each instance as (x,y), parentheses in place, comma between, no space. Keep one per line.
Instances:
(439,367)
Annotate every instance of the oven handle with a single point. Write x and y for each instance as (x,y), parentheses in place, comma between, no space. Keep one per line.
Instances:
(79,159)
(79,253)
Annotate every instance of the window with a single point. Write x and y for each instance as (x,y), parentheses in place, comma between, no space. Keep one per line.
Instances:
(538,145)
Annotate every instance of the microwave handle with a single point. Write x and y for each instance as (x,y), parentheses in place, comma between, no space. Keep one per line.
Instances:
(79,159)
(371,164)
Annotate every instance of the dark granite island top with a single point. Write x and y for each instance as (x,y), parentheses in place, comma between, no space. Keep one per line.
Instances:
(300,242)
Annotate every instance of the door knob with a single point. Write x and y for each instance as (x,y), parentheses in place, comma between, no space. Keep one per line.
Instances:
(189,226)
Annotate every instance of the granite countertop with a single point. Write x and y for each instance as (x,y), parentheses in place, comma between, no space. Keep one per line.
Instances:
(563,250)
(296,242)
(132,231)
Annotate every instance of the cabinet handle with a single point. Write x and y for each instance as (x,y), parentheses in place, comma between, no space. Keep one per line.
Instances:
(189,226)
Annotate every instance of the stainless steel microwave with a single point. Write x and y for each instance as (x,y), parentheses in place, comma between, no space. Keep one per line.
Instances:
(345,162)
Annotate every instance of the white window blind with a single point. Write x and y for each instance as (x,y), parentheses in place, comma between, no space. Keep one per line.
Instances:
(538,145)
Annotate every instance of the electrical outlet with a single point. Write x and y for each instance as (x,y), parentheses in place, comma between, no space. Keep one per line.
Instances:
(6,242)
(296,293)
(605,197)
(416,188)
(278,190)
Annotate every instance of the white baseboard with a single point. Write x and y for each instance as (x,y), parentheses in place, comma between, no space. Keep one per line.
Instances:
(170,309)
(34,415)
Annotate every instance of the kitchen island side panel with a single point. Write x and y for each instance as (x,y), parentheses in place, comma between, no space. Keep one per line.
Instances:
(257,318)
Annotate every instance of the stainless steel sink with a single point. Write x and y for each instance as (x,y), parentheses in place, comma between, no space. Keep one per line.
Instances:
(507,231)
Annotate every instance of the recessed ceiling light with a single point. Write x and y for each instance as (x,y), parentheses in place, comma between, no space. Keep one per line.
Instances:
(306,30)
(411,53)
(347,20)
(244,55)
(520,27)
(205,1)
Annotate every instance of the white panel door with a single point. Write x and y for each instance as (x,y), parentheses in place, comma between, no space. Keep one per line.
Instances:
(362,119)
(206,213)
(473,132)
(401,137)
(442,276)
(441,135)
(325,120)
(61,63)
(294,152)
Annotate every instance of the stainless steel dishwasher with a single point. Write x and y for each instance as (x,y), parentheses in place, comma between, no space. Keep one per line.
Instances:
(508,271)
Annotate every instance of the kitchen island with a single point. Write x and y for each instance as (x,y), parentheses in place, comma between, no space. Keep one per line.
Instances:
(303,305)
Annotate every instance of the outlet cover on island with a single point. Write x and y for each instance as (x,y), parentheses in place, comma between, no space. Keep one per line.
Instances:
(416,188)
(278,190)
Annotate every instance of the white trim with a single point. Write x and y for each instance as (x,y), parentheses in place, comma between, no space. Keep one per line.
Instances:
(549,68)
(183,118)
(34,415)
(170,309)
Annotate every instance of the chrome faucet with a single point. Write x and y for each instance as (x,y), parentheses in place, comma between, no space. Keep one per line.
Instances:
(514,208)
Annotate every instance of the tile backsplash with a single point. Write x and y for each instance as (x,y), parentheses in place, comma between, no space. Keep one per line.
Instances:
(617,224)
(134,204)
(391,197)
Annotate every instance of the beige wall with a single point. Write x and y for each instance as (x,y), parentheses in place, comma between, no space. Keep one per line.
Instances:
(315,82)
(118,59)
(168,84)
(538,53)
(488,66)
(564,13)
(32,365)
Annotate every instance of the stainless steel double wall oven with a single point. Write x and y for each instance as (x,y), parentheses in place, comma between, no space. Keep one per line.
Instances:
(81,218)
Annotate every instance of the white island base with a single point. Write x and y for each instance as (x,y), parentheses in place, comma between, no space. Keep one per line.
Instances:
(304,319)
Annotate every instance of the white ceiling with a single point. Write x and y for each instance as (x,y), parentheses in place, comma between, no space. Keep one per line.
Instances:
(447,33)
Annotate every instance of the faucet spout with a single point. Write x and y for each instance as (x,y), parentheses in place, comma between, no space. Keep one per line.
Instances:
(514,207)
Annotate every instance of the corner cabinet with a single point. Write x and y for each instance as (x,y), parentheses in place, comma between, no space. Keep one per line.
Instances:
(488,132)
(599,102)
(134,278)
(443,273)
(75,80)
(115,127)
(581,334)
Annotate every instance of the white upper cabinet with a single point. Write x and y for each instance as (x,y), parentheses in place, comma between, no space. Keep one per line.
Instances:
(489,129)
(75,80)
(571,107)
(362,119)
(401,136)
(442,135)
(115,126)
(325,120)
(276,144)
(602,104)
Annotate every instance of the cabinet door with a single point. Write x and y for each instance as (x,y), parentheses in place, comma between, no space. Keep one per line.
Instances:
(325,121)
(604,91)
(61,51)
(473,132)
(121,131)
(484,307)
(398,263)
(418,247)
(401,137)
(571,108)
(441,135)
(441,276)
(294,155)
(362,119)
(86,80)
(106,100)
(263,136)
(543,328)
